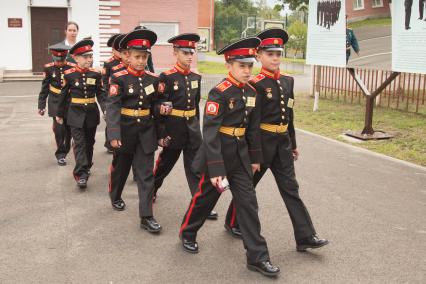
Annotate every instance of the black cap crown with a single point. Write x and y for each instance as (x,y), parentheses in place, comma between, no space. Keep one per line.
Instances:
(82,47)
(243,50)
(141,39)
(273,39)
(186,42)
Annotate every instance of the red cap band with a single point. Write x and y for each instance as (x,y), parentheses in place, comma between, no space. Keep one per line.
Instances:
(272,41)
(59,53)
(82,49)
(184,43)
(240,52)
(139,42)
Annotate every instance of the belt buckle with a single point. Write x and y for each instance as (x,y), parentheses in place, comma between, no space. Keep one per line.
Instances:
(279,128)
(233,132)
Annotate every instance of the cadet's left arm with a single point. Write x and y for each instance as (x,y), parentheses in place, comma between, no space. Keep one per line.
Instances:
(291,129)
(197,100)
(253,133)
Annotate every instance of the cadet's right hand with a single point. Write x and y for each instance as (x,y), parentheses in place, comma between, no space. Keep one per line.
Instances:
(41,112)
(216,181)
(59,120)
(115,143)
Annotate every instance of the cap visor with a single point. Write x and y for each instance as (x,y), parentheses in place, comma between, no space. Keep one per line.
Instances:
(274,49)
(246,60)
(192,50)
(58,58)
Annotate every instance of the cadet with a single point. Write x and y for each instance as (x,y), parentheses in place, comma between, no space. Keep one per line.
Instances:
(182,126)
(81,85)
(131,104)
(278,138)
(51,91)
(231,151)
(106,74)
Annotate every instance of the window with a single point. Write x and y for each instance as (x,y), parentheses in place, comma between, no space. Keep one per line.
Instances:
(377,3)
(358,4)
(164,31)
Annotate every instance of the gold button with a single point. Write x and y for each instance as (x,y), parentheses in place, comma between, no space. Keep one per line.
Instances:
(140,84)
(140,79)
(85,104)
(278,81)
(188,107)
(282,102)
(138,120)
(140,103)
(282,117)
(85,97)
(141,97)
(282,96)
(189,101)
(242,90)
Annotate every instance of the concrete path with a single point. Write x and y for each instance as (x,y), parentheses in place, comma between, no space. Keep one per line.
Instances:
(372,209)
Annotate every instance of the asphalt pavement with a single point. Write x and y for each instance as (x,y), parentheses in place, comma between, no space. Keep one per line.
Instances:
(372,209)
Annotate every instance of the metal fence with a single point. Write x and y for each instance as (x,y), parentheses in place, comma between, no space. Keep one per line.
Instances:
(407,92)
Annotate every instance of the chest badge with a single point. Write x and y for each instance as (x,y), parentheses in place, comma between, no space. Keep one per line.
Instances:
(290,103)
(269,93)
(76,83)
(131,89)
(194,84)
(53,75)
(176,85)
(251,102)
(91,81)
(231,103)
(150,89)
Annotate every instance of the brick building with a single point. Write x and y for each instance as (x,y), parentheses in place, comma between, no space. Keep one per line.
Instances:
(31,25)
(362,9)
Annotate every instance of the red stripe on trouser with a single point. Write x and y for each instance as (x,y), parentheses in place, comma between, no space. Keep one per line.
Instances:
(111,169)
(191,207)
(233,215)
(157,163)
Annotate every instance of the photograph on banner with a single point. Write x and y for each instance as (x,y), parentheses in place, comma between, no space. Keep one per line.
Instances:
(369,34)
(326,33)
(409,40)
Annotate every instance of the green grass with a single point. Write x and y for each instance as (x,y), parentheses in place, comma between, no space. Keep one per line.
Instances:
(371,22)
(333,118)
(294,60)
(216,68)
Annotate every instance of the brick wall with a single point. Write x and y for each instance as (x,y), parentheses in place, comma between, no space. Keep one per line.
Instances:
(368,11)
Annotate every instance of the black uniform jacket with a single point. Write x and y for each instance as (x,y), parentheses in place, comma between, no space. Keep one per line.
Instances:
(182,88)
(276,99)
(229,104)
(51,87)
(81,84)
(135,91)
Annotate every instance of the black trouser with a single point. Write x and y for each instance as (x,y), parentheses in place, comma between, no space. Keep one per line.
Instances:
(83,142)
(284,173)
(142,167)
(348,55)
(63,139)
(242,190)
(408,4)
(421,8)
(166,161)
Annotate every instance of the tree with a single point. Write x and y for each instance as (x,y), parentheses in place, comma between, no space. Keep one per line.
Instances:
(294,4)
(298,32)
